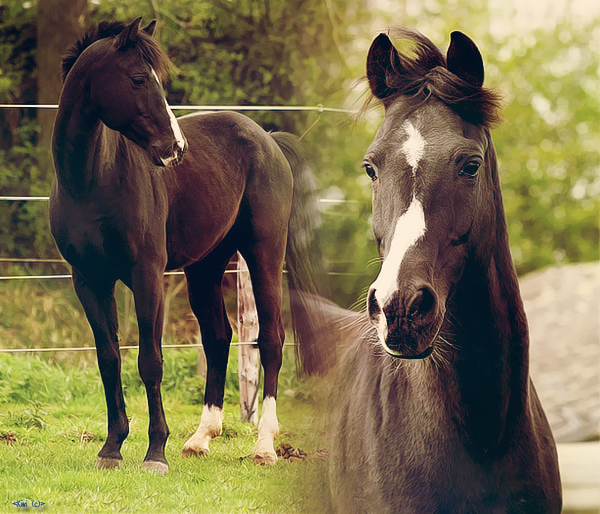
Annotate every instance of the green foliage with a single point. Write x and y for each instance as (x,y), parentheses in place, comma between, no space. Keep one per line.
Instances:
(35,381)
(39,380)
(17,53)
(240,52)
(549,146)
(549,149)
(23,226)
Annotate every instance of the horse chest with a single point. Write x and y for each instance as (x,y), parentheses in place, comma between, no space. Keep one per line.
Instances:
(399,449)
(96,238)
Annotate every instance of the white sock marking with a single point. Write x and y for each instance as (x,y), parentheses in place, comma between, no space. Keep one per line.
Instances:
(268,426)
(268,429)
(211,426)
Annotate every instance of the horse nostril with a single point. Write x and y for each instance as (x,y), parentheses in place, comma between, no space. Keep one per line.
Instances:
(422,302)
(372,304)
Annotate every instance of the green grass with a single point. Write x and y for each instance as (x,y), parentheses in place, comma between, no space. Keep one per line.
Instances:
(47,314)
(53,423)
(53,419)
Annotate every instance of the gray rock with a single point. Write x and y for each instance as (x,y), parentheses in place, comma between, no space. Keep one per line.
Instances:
(563,311)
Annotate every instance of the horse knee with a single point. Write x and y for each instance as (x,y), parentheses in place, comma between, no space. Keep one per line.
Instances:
(151,370)
(109,363)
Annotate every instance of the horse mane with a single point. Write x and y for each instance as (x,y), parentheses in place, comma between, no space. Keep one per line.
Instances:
(149,48)
(422,72)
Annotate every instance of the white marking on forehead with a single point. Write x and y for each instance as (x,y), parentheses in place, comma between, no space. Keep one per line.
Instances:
(414,146)
(410,227)
(174,124)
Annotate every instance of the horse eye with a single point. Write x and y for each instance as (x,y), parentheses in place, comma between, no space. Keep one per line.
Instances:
(470,169)
(138,81)
(370,170)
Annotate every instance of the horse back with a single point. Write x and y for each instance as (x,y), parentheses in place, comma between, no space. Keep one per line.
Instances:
(233,170)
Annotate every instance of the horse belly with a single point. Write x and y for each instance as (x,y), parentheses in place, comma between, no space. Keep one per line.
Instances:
(194,231)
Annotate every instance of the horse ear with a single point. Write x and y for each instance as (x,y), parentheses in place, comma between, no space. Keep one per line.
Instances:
(149,29)
(129,35)
(464,59)
(382,62)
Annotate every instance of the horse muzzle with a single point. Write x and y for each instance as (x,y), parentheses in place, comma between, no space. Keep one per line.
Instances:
(407,321)
(168,155)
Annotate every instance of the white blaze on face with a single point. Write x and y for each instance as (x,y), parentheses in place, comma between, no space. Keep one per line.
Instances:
(179,138)
(410,227)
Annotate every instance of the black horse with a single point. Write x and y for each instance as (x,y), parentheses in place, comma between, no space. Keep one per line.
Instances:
(434,409)
(131,199)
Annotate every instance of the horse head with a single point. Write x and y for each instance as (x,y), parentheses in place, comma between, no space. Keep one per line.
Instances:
(125,73)
(433,171)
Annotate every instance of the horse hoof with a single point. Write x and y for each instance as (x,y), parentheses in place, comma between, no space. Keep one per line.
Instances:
(195,452)
(105,463)
(158,467)
(265,459)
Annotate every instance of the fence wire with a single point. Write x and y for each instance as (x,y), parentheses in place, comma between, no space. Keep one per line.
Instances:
(318,108)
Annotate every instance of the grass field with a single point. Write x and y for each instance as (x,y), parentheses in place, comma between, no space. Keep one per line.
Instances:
(53,423)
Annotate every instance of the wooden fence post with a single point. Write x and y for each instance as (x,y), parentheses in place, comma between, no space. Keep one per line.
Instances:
(248,355)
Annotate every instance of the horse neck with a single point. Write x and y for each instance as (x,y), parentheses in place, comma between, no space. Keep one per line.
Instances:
(80,142)
(490,331)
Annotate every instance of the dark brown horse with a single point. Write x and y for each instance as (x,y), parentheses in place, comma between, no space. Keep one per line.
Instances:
(435,410)
(138,192)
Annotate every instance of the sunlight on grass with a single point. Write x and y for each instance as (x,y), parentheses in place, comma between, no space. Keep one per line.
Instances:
(53,423)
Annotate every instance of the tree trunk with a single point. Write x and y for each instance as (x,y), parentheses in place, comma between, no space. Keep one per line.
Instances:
(60,24)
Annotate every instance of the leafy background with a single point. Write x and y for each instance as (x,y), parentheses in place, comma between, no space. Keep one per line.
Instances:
(310,52)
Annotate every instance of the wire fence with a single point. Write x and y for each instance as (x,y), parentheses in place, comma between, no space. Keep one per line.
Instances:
(318,108)
(315,108)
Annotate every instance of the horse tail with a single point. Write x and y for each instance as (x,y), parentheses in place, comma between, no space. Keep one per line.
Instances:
(306,269)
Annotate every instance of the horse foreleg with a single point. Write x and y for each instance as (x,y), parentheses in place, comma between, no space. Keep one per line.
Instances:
(101,311)
(147,286)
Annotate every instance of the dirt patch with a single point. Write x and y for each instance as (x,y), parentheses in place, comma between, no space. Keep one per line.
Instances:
(286,451)
(86,437)
(8,437)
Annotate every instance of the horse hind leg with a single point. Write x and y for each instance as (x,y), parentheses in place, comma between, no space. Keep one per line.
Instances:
(265,264)
(101,311)
(268,430)
(206,300)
